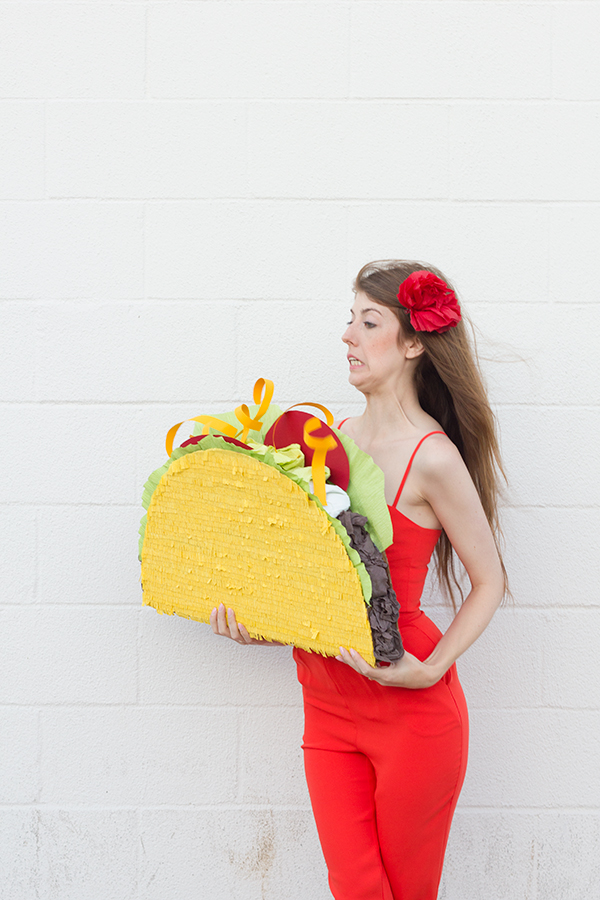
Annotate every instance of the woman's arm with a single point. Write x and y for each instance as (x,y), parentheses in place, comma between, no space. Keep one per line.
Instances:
(443,481)
(224,624)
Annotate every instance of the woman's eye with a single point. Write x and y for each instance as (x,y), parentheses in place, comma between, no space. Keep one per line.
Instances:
(366,324)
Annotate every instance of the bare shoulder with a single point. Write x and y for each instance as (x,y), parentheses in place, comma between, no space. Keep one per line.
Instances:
(439,459)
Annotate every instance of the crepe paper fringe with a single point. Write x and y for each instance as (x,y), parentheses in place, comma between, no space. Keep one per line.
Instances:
(384,609)
(215,442)
(224,527)
(366,489)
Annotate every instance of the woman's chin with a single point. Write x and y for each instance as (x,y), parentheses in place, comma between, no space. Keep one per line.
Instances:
(357,379)
(355,373)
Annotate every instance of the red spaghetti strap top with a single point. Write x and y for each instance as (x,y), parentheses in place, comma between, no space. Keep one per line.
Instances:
(410,462)
(409,555)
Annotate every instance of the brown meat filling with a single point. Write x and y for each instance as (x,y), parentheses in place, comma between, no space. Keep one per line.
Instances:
(384,609)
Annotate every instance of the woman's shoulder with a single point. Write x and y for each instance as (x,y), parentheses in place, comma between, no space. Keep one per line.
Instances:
(438,456)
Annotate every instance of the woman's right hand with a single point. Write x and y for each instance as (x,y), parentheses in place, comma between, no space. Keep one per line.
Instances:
(224,623)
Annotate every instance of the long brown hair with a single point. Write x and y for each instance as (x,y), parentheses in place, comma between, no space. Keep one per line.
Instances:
(450,388)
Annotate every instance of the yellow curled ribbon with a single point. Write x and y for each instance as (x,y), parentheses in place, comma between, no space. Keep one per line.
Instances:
(321,446)
(208,422)
(263,394)
(327,412)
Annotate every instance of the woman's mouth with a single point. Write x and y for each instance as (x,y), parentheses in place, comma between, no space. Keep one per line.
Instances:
(354,362)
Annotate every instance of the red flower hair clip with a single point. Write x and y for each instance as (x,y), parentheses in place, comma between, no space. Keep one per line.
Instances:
(431,303)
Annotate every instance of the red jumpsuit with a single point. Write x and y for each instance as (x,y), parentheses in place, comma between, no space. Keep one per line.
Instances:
(385,765)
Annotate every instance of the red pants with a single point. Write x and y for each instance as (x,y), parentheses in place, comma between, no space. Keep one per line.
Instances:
(384,767)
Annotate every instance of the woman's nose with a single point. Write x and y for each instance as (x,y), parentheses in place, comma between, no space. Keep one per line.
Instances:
(347,336)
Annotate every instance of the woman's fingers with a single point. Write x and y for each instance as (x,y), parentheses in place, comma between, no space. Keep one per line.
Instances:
(360,665)
(234,631)
(224,623)
(244,633)
(407,672)
(355,660)
(218,621)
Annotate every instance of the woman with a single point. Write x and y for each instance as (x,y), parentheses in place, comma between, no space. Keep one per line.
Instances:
(385,747)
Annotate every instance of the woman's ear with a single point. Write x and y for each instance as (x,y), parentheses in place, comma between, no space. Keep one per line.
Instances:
(413,347)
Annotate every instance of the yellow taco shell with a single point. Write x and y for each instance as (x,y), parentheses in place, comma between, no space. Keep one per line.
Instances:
(224,527)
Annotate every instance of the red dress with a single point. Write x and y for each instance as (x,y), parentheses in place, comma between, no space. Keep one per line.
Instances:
(385,765)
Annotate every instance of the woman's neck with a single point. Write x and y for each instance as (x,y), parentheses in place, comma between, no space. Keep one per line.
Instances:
(390,415)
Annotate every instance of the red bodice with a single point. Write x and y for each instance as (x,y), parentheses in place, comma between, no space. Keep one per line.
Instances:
(408,557)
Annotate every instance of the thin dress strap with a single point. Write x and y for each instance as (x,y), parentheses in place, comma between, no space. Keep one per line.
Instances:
(343,420)
(410,462)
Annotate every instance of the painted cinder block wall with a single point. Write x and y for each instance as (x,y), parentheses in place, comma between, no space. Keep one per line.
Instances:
(187,190)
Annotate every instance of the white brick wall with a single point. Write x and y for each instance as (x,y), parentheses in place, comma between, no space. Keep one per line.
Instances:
(186,191)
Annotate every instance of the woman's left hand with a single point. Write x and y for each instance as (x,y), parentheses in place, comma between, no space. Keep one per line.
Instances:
(406,672)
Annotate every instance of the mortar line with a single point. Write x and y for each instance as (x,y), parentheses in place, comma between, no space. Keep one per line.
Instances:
(325,100)
(107,504)
(135,605)
(488,202)
(133,705)
(550,810)
(177,403)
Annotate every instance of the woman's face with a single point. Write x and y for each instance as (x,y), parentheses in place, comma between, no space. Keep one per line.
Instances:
(376,355)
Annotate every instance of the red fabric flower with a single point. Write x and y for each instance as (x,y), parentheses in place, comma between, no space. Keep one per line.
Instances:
(431,304)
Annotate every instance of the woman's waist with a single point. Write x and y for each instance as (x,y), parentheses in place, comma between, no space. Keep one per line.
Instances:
(416,627)
(331,686)
(410,614)
(408,584)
